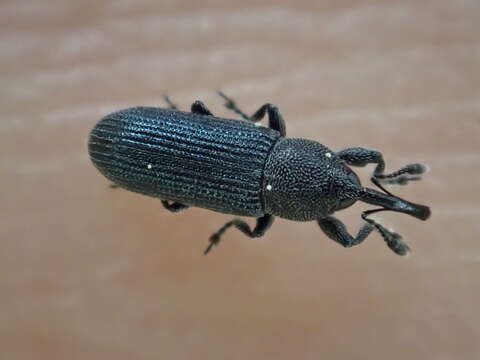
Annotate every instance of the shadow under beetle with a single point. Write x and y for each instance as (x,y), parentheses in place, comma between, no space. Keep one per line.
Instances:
(235,167)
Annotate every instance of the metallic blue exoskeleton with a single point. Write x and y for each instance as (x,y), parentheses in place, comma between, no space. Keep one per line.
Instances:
(235,167)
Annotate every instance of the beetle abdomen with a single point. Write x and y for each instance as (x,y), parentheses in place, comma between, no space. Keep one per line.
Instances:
(197,160)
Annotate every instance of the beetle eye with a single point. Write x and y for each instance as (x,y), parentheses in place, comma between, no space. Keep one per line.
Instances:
(352,176)
(344,203)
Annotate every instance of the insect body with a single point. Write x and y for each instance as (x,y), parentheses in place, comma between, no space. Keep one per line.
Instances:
(235,167)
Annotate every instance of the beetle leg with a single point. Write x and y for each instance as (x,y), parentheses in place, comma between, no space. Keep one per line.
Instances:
(337,231)
(169,102)
(231,105)
(174,206)
(360,157)
(200,108)
(275,119)
(262,225)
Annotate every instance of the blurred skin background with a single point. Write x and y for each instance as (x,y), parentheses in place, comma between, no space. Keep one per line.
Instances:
(87,272)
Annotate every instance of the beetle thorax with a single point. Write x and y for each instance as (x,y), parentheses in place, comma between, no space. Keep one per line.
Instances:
(305,180)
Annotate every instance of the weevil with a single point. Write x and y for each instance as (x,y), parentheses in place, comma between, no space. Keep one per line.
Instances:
(237,167)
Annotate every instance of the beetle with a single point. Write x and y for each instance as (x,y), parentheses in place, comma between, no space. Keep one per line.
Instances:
(237,167)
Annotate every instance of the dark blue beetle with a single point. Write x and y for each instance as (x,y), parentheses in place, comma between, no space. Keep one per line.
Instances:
(235,167)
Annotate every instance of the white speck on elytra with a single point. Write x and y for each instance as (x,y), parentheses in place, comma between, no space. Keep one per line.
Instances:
(328,155)
(258,124)
(149,166)
(269,187)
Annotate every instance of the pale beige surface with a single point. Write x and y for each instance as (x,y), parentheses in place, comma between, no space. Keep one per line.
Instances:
(87,272)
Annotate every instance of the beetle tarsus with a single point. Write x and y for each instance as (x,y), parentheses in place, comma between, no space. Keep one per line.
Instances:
(231,105)
(400,177)
(214,241)
(393,240)
(261,227)
(401,180)
(169,102)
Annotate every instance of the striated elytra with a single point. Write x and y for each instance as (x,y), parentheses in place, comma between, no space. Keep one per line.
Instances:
(235,167)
